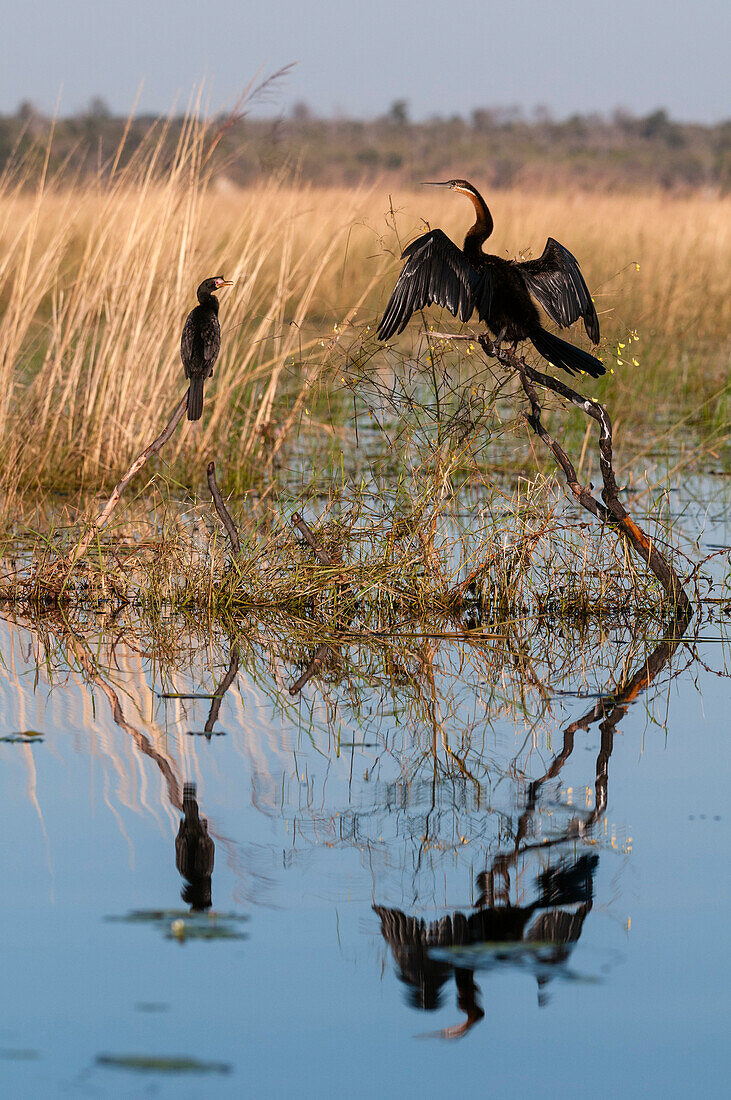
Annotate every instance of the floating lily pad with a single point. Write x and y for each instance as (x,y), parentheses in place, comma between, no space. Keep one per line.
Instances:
(23,737)
(150,1063)
(182,924)
(195,930)
(141,916)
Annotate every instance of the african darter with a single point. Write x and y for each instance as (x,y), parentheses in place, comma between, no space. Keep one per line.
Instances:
(467,280)
(201,342)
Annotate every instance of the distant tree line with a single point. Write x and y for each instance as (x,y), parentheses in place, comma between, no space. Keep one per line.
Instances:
(499,146)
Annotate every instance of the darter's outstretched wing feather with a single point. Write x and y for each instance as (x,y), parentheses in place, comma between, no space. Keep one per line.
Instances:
(556,281)
(436,271)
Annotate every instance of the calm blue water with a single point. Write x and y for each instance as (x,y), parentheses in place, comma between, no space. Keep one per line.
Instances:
(586,948)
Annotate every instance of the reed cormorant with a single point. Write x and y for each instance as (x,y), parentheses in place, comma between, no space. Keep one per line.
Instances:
(201,342)
(468,280)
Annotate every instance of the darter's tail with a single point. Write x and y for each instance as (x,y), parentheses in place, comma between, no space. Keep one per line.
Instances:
(560,354)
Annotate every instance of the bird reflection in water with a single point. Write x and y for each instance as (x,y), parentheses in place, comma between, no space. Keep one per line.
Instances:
(544,932)
(548,928)
(194,853)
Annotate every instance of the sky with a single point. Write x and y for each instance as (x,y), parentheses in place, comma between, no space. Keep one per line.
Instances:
(356,59)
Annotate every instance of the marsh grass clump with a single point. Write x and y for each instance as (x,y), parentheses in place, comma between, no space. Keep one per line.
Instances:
(97,273)
(426,514)
(420,674)
(395,557)
(95,277)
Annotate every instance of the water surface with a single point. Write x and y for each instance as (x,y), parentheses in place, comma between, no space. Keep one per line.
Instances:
(445,864)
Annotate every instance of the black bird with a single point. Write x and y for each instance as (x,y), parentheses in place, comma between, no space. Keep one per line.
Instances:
(468,280)
(201,342)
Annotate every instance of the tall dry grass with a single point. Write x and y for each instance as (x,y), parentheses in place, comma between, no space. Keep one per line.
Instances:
(96,278)
(95,283)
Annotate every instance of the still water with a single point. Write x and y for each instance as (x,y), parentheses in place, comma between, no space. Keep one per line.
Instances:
(443,865)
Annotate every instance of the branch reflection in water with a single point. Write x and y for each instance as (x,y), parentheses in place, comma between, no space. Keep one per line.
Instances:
(499,933)
(424,701)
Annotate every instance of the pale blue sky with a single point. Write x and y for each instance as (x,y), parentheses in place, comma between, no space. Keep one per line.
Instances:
(357,58)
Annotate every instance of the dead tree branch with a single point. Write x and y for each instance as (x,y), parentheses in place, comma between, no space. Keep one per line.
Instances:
(323,556)
(222,510)
(324,650)
(102,519)
(318,659)
(309,536)
(610,509)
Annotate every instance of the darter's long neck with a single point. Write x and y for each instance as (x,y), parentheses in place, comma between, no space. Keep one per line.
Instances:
(481,230)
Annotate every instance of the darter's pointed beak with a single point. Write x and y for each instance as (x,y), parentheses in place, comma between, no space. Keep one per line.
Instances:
(432,183)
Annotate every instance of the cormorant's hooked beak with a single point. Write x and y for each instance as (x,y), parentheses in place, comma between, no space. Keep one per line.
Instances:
(220,283)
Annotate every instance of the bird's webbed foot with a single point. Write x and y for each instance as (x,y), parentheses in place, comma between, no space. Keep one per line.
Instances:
(498,341)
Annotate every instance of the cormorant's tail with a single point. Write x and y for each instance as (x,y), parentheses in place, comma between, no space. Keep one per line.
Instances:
(566,356)
(195,399)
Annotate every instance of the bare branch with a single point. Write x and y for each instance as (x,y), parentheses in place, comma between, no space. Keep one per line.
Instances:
(612,511)
(309,536)
(152,449)
(222,510)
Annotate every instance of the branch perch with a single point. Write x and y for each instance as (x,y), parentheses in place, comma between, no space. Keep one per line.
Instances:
(609,509)
(102,519)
